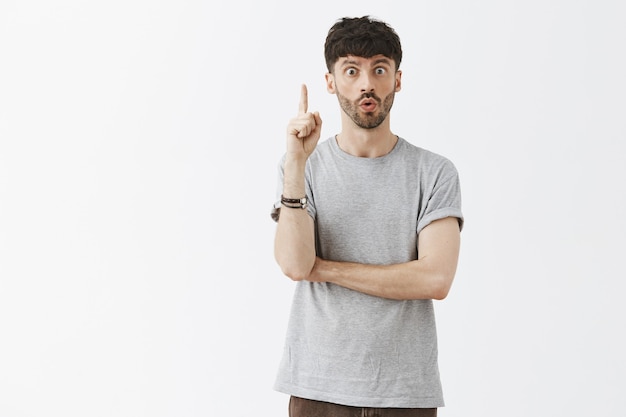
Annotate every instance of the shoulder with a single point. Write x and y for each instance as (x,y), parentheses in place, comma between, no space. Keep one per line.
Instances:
(425,158)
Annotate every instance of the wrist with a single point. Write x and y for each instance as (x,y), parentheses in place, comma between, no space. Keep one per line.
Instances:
(293,179)
(294,162)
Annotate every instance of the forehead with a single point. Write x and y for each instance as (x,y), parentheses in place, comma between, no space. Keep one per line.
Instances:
(359,61)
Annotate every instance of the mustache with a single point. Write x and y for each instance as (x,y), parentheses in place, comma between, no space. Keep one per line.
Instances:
(370,95)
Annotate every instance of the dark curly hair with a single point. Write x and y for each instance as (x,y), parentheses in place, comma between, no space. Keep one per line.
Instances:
(361,36)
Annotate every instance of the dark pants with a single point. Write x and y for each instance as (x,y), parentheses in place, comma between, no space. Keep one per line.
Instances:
(300,407)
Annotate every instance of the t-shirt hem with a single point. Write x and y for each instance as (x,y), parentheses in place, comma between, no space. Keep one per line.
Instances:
(355,401)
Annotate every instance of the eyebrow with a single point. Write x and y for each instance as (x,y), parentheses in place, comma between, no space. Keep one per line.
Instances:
(386,61)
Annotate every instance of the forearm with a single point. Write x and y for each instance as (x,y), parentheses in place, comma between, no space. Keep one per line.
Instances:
(294,244)
(406,281)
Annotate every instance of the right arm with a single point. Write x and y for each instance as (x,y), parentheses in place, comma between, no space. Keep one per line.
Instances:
(294,242)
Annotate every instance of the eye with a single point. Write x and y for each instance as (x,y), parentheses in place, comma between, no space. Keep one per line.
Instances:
(351,71)
(381,71)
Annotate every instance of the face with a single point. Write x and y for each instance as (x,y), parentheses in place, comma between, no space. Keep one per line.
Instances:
(365,88)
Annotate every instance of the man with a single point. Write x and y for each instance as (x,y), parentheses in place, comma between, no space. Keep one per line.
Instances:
(369,227)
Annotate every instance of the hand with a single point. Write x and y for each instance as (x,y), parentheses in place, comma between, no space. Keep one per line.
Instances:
(303,131)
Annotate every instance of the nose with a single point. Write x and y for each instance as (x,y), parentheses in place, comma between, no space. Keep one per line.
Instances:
(366,81)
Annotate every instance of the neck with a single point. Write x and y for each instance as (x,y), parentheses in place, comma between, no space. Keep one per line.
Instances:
(367,143)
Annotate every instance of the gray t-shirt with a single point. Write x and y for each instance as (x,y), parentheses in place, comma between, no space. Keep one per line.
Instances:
(350,348)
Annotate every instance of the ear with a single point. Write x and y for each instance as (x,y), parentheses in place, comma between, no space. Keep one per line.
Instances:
(330,83)
(398,80)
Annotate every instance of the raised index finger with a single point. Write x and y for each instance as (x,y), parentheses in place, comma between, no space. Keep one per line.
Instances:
(304,100)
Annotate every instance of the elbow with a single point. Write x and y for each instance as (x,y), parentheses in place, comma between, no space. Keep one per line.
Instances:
(440,294)
(441,287)
(296,271)
(295,259)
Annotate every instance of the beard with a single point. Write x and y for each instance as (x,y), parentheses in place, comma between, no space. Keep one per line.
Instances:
(368,120)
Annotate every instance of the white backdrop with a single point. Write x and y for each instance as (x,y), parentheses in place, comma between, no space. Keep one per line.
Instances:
(138,151)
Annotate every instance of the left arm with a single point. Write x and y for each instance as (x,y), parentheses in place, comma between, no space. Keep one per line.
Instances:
(428,277)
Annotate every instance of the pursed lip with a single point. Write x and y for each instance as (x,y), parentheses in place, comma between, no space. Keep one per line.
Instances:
(368,104)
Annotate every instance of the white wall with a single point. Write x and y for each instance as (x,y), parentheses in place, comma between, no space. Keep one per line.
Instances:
(138,151)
